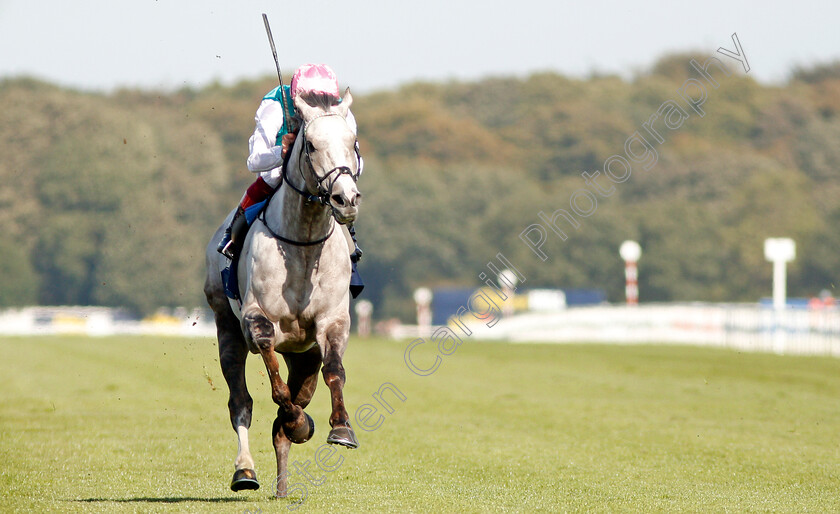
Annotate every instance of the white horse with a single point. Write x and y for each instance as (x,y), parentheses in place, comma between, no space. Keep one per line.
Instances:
(294,276)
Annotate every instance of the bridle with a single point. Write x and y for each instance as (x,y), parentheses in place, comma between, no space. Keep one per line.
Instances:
(324,183)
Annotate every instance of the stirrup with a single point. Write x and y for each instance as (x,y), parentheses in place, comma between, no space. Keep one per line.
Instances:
(224,244)
(227,249)
(235,233)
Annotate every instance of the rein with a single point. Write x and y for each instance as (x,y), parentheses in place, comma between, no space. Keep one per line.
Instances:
(324,193)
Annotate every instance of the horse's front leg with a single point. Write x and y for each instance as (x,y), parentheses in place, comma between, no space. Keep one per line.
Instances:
(303,377)
(296,424)
(333,342)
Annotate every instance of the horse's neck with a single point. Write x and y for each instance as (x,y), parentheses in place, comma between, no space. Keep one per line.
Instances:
(292,215)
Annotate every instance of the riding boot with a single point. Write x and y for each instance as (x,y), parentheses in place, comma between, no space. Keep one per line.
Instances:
(356,284)
(356,255)
(231,242)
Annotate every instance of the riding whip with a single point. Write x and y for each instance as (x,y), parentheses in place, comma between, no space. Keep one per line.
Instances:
(286,109)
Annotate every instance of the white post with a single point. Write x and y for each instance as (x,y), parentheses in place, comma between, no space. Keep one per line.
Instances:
(779,251)
(507,281)
(423,299)
(364,310)
(779,285)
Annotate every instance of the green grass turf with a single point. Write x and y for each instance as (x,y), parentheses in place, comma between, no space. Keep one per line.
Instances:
(141,424)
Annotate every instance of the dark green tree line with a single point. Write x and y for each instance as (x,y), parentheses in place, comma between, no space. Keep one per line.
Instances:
(110,199)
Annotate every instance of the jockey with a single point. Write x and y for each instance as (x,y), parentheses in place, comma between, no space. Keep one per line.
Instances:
(268,146)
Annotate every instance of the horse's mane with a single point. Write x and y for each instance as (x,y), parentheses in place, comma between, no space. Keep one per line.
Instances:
(319,100)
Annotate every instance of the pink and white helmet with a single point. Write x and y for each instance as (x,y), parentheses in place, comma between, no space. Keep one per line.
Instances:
(315,78)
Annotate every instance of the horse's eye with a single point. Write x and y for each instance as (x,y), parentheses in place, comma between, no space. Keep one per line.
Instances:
(310,147)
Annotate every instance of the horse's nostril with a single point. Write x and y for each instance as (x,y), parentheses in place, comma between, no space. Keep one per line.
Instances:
(338,200)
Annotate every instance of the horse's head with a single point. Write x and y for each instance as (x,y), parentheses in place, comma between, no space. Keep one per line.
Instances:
(331,162)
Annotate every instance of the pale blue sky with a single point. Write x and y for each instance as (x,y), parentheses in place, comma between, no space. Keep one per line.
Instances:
(102,44)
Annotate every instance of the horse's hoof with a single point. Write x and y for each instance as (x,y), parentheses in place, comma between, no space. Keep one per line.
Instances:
(344,436)
(244,479)
(297,436)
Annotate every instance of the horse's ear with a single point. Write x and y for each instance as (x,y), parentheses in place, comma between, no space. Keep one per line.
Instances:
(346,101)
(307,112)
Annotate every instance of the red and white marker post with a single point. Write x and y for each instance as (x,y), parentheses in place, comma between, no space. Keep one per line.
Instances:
(630,251)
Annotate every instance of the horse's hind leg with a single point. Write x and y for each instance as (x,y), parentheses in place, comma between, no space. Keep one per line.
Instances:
(303,378)
(333,371)
(296,424)
(232,356)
